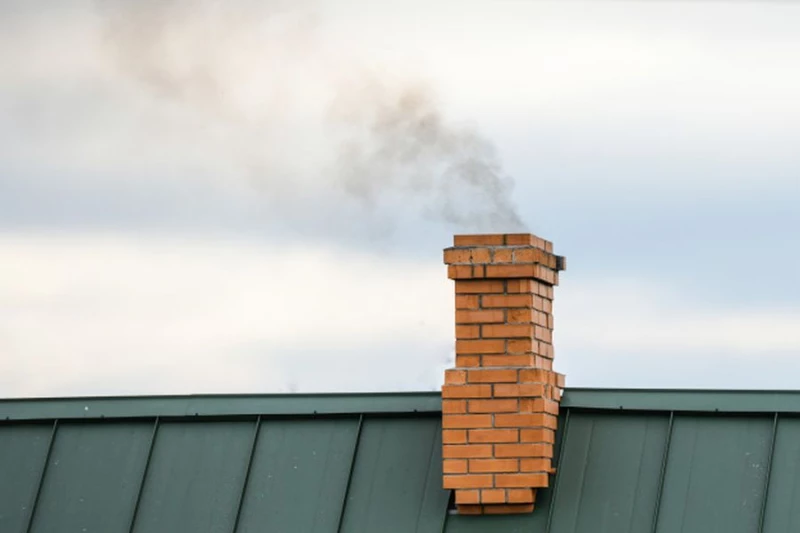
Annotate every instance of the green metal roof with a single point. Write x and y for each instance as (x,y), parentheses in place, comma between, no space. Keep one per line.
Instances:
(628,461)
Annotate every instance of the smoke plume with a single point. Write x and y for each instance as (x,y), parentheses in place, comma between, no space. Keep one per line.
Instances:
(246,66)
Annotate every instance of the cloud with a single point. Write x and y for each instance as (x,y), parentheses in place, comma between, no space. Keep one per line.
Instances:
(114,313)
(637,316)
(98,313)
(641,333)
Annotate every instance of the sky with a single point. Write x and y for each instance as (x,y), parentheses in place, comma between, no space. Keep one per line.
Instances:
(253,197)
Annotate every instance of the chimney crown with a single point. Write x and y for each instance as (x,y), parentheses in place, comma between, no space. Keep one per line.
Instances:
(503,256)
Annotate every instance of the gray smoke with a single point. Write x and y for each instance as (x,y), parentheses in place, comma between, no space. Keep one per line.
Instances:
(394,151)
(402,143)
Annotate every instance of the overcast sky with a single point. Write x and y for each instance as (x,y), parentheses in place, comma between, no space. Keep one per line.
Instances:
(231,197)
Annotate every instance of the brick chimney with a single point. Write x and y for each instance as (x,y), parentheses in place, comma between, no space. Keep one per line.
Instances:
(500,403)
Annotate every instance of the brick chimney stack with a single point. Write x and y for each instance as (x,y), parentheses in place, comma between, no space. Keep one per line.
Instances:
(500,403)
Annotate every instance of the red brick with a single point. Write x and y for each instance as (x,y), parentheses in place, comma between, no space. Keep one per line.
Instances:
(467,301)
(456,255)
(493,435)
(542,273)
(537,435)
(508,360)
(469,509)
(454,436)
(460,272)
(493,496)
(535,375)
(504,390)
(503,255)
(493,465)
(531,405)
(465,316)
(506,331)
(482,256)
(550,421)
(523,450)
(507,300)
(551,407)
(455,377)
(520,316)
(466,391)
(466,421)
(535,465)
(468,361)
(560,380)
(454,406)
(521,495)
(525,420)
(538,405)
(468,496)
(470,347)
(470,481)
(523,346)
(493,406)
(454,466)
(468,332)
(520,286)
(546,351)
(468,451)
(479,240)
(543,334)
(533,255)
(492,375)
(513,271)
(519,239)
(508,509)
(480,286)
(521,480)
(478,271)
(542,319)
(520,420)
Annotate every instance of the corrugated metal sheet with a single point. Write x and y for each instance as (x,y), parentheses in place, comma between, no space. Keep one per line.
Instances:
(628,461)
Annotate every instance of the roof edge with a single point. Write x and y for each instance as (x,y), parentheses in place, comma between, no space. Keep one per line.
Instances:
(219,405)
(686,400)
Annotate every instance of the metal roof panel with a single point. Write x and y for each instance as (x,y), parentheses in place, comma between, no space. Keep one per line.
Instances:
(23,454)
(298,476)
(396,481)
(782,510)
(195,477)
(610,472)
(92,466)
(715,478)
